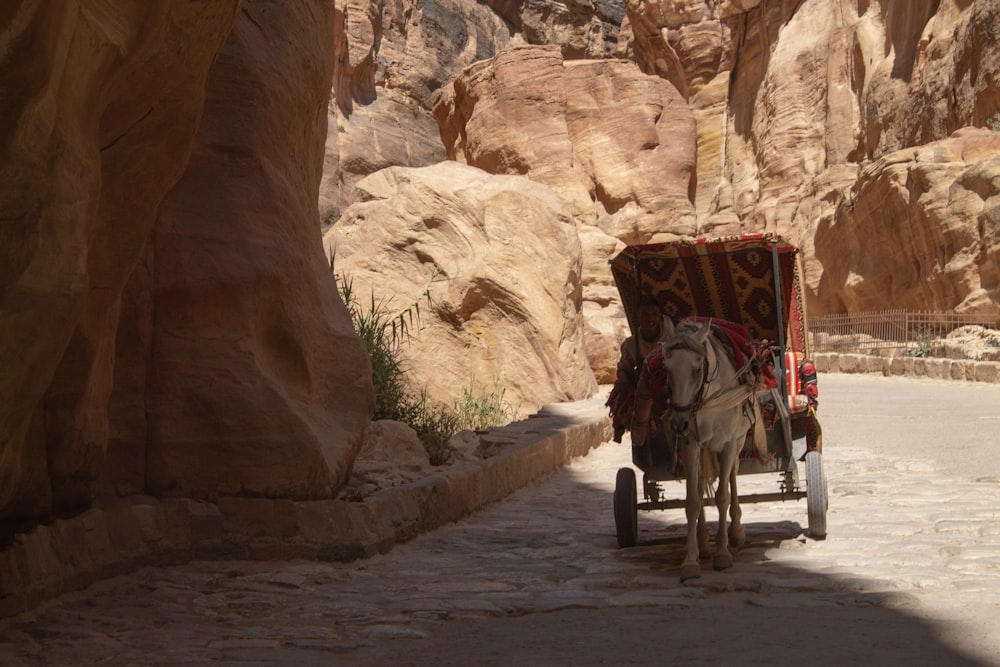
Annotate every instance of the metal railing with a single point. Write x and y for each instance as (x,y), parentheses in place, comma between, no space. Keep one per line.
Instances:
(888,329)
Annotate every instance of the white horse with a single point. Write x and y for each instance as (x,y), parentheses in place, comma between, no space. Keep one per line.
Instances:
(707,416)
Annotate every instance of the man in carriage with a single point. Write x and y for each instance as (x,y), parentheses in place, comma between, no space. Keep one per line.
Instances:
(653,327)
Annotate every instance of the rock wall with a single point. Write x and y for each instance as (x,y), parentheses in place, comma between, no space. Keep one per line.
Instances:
(792,100)
(101,104)
(796,99)
(616,145)
(390,59)
(167,321)
(920,230)
(494,266)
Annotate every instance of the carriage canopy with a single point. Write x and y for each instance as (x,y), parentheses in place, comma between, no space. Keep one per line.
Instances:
(752,279)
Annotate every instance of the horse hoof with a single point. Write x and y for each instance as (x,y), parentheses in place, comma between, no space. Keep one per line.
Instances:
(723,561)
(690,571)
(738,537)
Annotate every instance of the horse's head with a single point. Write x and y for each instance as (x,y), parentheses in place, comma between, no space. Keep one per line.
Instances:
(685,360)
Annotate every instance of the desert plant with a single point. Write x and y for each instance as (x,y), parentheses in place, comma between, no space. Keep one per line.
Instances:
(383,334)
(846,204)
(923,338)
(993,122)
(481,410)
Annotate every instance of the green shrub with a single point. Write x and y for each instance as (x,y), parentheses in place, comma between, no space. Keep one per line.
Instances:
(923,336)
(383,334)
(993,122)
(488,409)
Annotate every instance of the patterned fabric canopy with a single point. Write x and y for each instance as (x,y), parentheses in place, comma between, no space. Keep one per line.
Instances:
(732,278)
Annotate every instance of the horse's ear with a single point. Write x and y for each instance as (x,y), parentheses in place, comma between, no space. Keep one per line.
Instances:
(667,329)
(703,331)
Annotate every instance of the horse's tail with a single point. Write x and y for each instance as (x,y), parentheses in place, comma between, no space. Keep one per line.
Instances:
(709,473)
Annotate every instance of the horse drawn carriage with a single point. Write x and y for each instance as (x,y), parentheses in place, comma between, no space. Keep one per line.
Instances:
(757,384)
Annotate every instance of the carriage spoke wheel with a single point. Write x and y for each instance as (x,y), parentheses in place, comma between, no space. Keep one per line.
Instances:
(817,501)
(626,508)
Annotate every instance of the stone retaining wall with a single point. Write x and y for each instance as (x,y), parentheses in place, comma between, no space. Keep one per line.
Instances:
(929,367)
(120,535)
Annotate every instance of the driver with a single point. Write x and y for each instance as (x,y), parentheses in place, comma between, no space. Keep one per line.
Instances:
(652,327)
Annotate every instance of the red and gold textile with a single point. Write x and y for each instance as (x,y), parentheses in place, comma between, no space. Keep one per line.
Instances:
(730,278)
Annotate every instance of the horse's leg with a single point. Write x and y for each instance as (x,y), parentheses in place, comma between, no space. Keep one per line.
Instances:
(727,460)
(704,548)
(691,568)
(737,534)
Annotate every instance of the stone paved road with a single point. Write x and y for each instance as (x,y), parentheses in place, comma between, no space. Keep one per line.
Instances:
(910,573)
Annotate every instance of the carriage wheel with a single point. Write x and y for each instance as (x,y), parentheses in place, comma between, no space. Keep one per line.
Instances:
(817,501)
(626,508)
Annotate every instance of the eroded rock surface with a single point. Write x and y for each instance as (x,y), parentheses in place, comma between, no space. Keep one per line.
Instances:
(101,104)
(494,263)
(810,95)
(616,145)
(921,230)
(390,59)
(169,323)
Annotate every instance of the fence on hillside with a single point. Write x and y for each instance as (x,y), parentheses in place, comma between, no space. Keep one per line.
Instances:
(871,332)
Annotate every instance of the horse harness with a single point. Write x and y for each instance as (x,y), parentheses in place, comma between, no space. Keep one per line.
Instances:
(722,398)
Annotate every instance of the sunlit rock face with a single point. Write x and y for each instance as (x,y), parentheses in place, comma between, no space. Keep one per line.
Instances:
(168,325)
(390,58)
(796,100)
(393,56)
(616,145)
(921,230)
(492,262)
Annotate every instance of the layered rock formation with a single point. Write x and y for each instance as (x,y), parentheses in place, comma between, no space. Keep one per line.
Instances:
(792,101)
(169,325)
(615,144)
(393,56)
(167,321)
(582,29)
(921,230)
(390,59)
(493,263)
(815,91)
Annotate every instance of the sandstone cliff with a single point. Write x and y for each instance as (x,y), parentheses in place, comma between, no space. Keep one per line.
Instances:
(815,93)
(792,103)
(500,260)
(168,324)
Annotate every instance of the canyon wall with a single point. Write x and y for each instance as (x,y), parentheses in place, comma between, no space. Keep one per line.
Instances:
(793,103)
(168,322)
